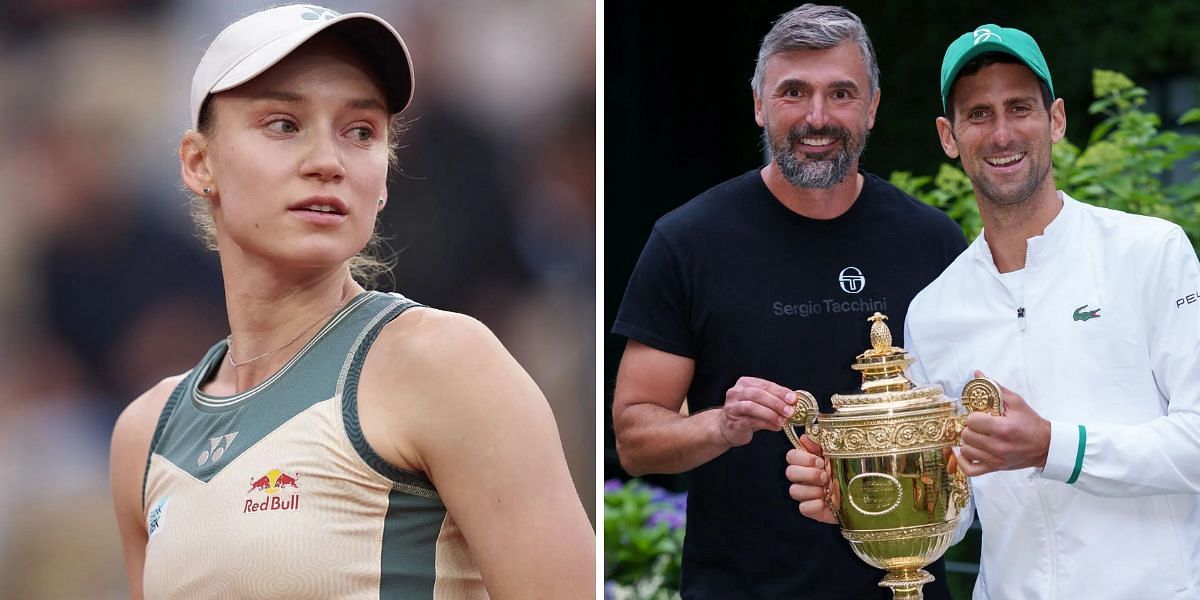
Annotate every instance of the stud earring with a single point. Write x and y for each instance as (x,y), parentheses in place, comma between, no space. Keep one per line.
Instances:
(207,190)
(382,202)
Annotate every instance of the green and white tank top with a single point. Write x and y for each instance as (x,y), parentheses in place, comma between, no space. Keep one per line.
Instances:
(275,493)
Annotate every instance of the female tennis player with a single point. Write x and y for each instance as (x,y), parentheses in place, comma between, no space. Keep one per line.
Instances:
(339,443)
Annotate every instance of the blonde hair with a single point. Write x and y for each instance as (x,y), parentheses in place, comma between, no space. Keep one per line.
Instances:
(371,263)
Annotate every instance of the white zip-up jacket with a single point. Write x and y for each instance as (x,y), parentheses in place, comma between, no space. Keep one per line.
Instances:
(1107,348)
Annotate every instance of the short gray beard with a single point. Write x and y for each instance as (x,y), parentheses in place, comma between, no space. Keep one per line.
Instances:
(819,174)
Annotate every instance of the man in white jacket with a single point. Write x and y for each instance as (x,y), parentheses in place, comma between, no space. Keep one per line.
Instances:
(1089,485)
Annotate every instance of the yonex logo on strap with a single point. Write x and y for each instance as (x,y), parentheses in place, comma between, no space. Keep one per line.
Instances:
(984,34)
(216,448)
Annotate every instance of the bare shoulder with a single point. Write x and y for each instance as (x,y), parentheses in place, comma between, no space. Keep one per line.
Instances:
(131,448)
(138,419)
(437,355)
(437,342)
(468,416)
(127,467)
(427,374)
(131,441)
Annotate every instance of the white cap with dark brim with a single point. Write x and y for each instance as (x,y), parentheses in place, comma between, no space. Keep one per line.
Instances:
(255,43)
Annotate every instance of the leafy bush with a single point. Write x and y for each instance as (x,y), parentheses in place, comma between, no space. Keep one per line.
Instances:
(1122,166)
(643,541)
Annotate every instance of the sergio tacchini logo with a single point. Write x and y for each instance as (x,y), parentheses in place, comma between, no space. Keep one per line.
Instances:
(852,280)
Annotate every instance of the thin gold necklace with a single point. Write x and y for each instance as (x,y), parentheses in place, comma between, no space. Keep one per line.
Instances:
(229,340)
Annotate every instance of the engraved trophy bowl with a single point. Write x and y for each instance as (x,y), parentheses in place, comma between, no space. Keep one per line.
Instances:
(894,486)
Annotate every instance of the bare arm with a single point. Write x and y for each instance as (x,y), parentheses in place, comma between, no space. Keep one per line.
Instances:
(652,435)
(465,413)
(127,468)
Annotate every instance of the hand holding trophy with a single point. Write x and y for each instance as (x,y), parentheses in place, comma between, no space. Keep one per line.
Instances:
(892,481)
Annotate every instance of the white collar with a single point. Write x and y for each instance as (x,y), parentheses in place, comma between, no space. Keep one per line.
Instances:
(1055,231)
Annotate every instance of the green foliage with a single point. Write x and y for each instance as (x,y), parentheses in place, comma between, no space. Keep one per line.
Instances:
(950,191)
(1121,167)
(643,541)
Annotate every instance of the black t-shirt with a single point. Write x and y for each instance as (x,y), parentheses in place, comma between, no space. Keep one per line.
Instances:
(744,286)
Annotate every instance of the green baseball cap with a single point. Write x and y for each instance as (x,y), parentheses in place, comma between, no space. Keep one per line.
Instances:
(993,38)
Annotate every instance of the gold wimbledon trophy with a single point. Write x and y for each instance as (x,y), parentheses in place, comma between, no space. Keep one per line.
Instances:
(894,487)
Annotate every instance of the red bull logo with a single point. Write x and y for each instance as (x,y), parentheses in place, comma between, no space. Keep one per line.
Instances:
(270,484)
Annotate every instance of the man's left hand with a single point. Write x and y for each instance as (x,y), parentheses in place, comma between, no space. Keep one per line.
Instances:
(1016,440)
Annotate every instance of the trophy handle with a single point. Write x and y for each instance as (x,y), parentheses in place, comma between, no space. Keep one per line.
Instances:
(982,394)
(805,416)
(979,395)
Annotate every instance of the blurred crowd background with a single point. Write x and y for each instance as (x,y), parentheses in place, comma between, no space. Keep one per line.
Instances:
(104,290)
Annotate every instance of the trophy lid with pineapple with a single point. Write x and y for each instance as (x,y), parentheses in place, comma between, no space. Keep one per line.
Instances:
(885,382)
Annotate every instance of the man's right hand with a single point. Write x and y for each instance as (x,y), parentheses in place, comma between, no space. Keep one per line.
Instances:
(810,475)
(753,404)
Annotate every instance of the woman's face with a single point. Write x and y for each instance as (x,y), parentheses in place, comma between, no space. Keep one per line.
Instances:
(299,159)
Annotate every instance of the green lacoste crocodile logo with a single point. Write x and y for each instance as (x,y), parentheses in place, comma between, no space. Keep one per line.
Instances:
(1083,315)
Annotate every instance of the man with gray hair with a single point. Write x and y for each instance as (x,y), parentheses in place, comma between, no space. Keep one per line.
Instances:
(760,285)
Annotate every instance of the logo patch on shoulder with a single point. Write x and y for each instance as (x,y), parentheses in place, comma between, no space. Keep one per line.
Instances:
(1082,314)
(157,518)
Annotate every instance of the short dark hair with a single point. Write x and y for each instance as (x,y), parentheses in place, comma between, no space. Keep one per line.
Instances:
(976,64)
